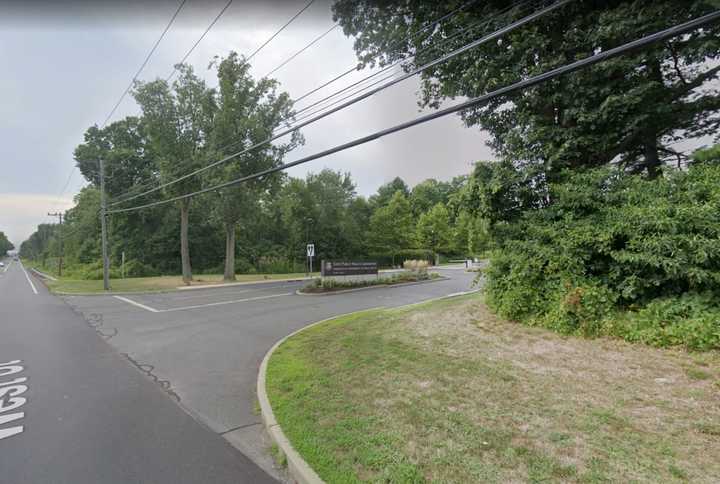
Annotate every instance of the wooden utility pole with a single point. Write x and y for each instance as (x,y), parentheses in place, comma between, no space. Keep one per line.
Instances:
(60,240)
(103,225)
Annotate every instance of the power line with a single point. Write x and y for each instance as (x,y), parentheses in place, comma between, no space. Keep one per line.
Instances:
(217,17)
(280,30)
(444,58)
(405,61)
(472,103)
(142,66)
(256,50)
(132,81)
(282,64)
(435,23)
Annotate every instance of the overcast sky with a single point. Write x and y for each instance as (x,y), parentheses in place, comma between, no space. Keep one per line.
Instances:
(65,64)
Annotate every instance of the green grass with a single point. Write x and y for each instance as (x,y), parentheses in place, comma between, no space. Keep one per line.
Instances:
(446,392)
(154,284)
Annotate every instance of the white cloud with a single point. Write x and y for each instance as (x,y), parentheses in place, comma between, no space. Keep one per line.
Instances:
(20,213)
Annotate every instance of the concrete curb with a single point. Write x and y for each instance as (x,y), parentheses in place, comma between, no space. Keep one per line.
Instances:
(42,274)
(377,286)
(296,465)
(170,290)
(243,283)
(298,469)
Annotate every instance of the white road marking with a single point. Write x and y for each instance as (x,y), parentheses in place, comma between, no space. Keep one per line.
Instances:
(198,306)
(130,301)
(10,398)
(221,303)
(28,278)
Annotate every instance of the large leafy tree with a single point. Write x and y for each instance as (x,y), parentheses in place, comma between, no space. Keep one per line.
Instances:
(5,244)
(629,109)
(387,191)
(178,120)
(433,229)
(391,226)
(248,112)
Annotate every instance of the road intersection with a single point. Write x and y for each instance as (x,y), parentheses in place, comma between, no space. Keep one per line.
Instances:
(195,356)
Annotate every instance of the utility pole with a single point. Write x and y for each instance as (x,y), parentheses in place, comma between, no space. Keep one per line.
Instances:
(60,240)
(103,225)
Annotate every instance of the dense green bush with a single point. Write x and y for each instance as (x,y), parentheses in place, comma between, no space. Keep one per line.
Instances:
(617,254)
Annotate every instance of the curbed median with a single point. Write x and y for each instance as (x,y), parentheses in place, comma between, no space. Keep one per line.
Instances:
(297,467)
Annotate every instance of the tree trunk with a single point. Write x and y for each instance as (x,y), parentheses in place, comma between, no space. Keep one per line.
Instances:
(229,252)
(650,138)
(184,246)
(652,158)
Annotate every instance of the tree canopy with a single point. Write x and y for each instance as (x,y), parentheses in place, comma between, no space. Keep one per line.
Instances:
(629,109)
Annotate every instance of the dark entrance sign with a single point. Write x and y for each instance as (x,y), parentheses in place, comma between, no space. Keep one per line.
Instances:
(348,268)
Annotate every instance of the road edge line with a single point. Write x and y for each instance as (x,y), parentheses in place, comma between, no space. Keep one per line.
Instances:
(28,279)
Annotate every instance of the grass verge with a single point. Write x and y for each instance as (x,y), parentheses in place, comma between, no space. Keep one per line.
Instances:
(447,392)
(149,284)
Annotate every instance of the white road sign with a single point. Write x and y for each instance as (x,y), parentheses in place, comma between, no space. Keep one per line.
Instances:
(311,250)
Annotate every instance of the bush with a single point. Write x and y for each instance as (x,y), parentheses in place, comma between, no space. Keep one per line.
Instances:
(614,246)
(386,260)
(135,268)
(416,266)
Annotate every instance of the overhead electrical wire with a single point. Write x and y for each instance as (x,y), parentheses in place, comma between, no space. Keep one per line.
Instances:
(258,49)
(209,27)
(463,31)
(406,61)
(354,68)
(132,81)
(279,30)
(471,103)
(286,61)
(129,195)
(430,25)
(444,58)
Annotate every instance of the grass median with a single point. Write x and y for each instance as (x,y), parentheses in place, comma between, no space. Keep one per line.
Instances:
(155,284)
(447,392)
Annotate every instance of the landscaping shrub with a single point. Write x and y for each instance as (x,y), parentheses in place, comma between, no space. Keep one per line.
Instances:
(617,254)
(416,266)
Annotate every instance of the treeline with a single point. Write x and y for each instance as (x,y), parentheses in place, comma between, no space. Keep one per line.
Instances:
(394,224)
(5,244)
(261,225)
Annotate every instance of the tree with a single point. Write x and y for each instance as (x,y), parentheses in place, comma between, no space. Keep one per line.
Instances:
(433,229)
(178,120)
(427,194)
(386,192)
(248,112)
(5,244)
(391,226)
(628,109)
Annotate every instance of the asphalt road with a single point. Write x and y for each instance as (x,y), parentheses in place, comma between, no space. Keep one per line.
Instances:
(205,346)
(74,410)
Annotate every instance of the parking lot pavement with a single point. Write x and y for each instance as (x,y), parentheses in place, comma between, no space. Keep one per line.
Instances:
(204,347)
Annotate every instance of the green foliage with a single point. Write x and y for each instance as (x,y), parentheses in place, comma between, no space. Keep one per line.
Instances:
(612,246)
(433,229)
(5,244)
(391,226)
(629,107)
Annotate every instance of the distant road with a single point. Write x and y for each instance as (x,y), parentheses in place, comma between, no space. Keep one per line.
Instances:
(73,410)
